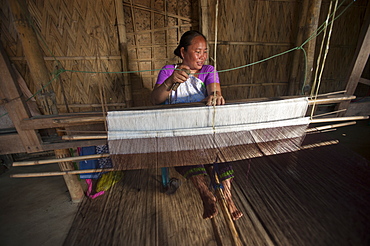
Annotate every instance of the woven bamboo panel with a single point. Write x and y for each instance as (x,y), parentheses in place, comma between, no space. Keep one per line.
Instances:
(83,30)
(342,44)
(84,37)
(248,32)
(154,29)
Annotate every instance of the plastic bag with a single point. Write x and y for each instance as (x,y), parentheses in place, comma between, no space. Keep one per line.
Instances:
(107,180)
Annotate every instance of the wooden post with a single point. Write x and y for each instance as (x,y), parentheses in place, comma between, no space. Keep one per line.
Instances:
(203,20)
(40,76)
(15,104)
(32,52)
(359,60)
(124,53)
(294,75)
(312,19)
(204,12)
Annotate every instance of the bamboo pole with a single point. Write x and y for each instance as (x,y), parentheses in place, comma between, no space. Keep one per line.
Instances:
(46,174)
(124,52)
(83,137)
(330,100)
(321,128)
(40,76)
(313,121)
(333,112)
(65,159)
(315,145)
(235,240)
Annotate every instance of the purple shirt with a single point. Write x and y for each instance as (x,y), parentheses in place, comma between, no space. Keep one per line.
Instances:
(207,78)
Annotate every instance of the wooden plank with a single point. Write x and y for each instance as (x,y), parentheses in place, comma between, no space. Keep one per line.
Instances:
(15,104)
(360,58)
(56,121)
(72,144)
(11,144)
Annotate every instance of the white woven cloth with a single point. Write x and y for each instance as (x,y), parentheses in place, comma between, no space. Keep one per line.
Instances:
(177,123)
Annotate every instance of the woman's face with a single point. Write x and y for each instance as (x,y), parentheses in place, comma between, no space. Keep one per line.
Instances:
(196,53)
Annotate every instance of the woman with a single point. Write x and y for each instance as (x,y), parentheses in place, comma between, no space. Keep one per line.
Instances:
(197,82)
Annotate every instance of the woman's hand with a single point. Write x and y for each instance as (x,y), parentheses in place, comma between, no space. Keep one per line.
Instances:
(213,100)
(161,91)
(179,75)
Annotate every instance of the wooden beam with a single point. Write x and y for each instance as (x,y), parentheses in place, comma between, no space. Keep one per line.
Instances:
(364,81)
(72,144)
(16,105)
(312,24)
(360,58)
(32,51)
(294,74)
(124,51)
(55,121)
(11,144)
(204,14)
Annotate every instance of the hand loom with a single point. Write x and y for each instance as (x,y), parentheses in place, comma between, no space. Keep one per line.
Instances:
(203,135)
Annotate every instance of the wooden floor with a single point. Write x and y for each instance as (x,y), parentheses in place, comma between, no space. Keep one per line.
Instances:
(318,196)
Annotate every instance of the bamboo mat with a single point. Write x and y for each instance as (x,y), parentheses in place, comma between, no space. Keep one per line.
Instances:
(318,196)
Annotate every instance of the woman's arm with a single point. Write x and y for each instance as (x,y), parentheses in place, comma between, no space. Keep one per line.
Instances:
(161,91)
(212,82)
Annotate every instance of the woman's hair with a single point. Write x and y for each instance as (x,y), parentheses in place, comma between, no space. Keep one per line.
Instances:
(185,41)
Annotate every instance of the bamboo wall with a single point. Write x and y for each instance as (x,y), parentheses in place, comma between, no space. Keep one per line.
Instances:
(342,45)
(84,36)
